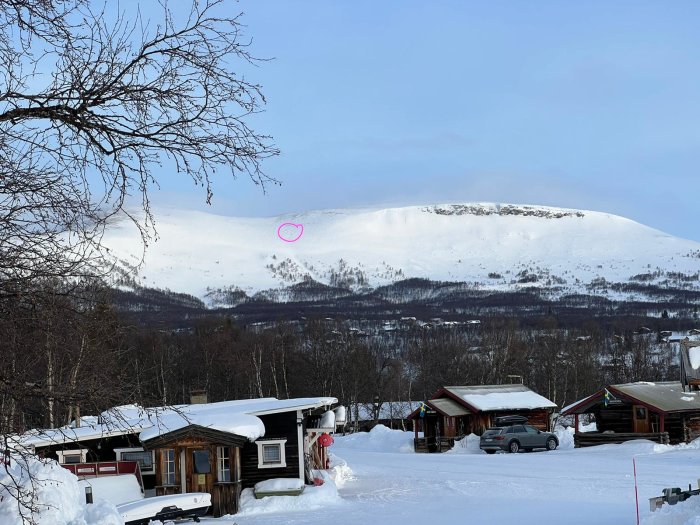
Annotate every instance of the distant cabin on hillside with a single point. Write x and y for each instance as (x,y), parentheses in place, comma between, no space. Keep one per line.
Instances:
(666,412)
(363,417)
(456,411)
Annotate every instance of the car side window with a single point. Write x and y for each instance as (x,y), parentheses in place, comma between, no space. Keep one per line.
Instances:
(530,430)
(518,429)
(509,430)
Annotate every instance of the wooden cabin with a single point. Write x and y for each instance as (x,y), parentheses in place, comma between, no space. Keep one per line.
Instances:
(200,459)
(666,412)
(99,443)
(224,448)
(392,414)
(456,411)
(221,448)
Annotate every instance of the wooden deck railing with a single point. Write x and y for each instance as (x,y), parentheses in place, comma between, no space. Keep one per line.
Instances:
(589,439)
(432,444)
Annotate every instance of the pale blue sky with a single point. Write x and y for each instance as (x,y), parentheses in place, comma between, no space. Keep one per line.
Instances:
(592,105)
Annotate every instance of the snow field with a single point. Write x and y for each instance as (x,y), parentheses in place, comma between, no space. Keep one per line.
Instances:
(593,486)
(421,243)
(377,479)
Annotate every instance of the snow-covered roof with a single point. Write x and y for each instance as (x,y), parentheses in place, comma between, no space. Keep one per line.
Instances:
(485,398)
(448,407)
(237,417)
(666,396)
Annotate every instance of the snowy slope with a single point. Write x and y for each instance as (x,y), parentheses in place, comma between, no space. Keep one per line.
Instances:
(489,246)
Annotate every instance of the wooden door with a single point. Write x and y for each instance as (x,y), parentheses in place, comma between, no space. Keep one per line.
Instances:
(200,467)
(641,418)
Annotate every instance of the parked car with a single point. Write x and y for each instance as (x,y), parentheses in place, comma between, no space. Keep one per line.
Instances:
(515,436)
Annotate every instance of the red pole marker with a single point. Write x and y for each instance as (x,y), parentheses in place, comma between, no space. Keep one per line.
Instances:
(636,495)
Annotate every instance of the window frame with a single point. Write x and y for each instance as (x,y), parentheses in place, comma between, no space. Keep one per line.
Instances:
(72,452)
(196,463)
(164,471)
(267,442)
(119,451)
(223,464)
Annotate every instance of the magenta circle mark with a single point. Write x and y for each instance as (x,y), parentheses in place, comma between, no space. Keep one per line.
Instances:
(290,237)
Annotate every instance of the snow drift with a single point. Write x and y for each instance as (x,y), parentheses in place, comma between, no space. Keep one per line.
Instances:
(43,491)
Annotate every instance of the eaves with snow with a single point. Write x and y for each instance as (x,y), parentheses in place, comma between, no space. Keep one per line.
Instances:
(240,417)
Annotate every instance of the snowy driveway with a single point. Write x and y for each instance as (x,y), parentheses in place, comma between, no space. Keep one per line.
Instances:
(586,486)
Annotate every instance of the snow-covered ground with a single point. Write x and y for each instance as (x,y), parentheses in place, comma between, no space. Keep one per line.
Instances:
(594,486)
(380,480)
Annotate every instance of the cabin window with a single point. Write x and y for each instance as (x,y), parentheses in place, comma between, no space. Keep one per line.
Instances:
(201,462)
(168,469)
(71,457)
(143,457)
(271,453)
(224,464)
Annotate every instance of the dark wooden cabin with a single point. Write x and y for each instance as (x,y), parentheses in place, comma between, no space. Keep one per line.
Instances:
(192,448)
(456,411)
(200,459)
(98,441)
(666,412)
(216,457)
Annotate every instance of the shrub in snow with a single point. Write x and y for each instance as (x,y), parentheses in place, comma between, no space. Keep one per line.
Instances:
(41,492)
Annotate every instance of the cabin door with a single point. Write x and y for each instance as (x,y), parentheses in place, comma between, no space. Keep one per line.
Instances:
(641,418)
(200,475)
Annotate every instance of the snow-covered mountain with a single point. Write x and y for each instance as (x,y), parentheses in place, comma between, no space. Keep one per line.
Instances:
(487,246)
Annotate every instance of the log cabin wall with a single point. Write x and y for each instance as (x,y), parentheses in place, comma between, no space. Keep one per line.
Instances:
(675,425)
(691,426)
(283,426)
(478,423)
(615,418)
(538,418)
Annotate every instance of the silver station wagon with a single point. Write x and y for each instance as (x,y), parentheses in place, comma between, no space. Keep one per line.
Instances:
(514,435)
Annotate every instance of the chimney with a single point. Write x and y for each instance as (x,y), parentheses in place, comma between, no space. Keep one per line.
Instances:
(198,397)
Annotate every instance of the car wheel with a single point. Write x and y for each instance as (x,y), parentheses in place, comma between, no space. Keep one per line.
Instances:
(490,451)
(514,447)
(551,444)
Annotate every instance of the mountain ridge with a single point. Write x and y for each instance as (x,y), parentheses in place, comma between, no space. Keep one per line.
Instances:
(484,246)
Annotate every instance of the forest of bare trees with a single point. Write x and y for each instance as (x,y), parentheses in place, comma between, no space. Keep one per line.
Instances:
(69,356)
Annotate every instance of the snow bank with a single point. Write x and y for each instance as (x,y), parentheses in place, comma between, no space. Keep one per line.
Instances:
(694,355)
(467,445)
(279,484)
(684,513)
(116,489)
(565,434)
(52,492)
(311,499)
(379,439)
(662,449)
(339,471)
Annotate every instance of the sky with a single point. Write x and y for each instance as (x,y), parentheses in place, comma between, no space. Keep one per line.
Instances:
(591,105)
